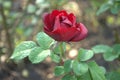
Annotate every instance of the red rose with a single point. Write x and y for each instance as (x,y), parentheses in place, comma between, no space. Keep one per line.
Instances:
(63,27)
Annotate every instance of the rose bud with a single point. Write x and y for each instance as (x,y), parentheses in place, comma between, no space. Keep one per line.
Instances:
(62,26)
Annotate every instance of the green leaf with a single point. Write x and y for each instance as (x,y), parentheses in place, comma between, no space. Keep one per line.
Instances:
(44,40)
(69,77)
(84,55)
(88,76)
(96,72)
(59,70)
(38,55)
(67,65)
(23,50)
(114,9)
(79,68)
(116,49)
(85,76)
(101,48)
(110,56)
(113,75)
(103,8)
(55,57)
(102,69)
(117,0)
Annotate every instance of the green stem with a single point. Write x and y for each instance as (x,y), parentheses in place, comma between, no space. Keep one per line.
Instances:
(90,74)
(62,50)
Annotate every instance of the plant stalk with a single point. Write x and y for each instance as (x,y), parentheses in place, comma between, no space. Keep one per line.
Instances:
(8,37)
(62,50)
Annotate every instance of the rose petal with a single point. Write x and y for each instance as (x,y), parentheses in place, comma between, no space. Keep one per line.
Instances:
(54,20)
(72,18)
(62,34)
(57,23)
(67,21)
(81,33)
(55,36)
(64,25)
(46,21)
(64,13)
(55,12)
(53,16)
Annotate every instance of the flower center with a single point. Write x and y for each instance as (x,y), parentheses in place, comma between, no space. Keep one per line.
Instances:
(65,20)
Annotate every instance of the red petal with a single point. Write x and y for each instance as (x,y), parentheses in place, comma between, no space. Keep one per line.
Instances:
(46,21)
(64,13)
(81,33)
(72,18)
(67,21)
(55,12)
(57,23)
(64,25)
(63,34)
(53,16)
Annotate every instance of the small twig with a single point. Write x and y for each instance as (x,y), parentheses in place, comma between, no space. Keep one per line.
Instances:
(8,37)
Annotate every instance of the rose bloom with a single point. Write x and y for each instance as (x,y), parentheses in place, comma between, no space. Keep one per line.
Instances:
(62,26)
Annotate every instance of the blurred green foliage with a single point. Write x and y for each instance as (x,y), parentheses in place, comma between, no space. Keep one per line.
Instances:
(24,17)
(112,5)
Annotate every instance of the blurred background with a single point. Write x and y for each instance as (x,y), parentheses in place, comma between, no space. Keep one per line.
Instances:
(21,20)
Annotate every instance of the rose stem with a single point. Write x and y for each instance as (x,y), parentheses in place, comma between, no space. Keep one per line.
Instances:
(62,50)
